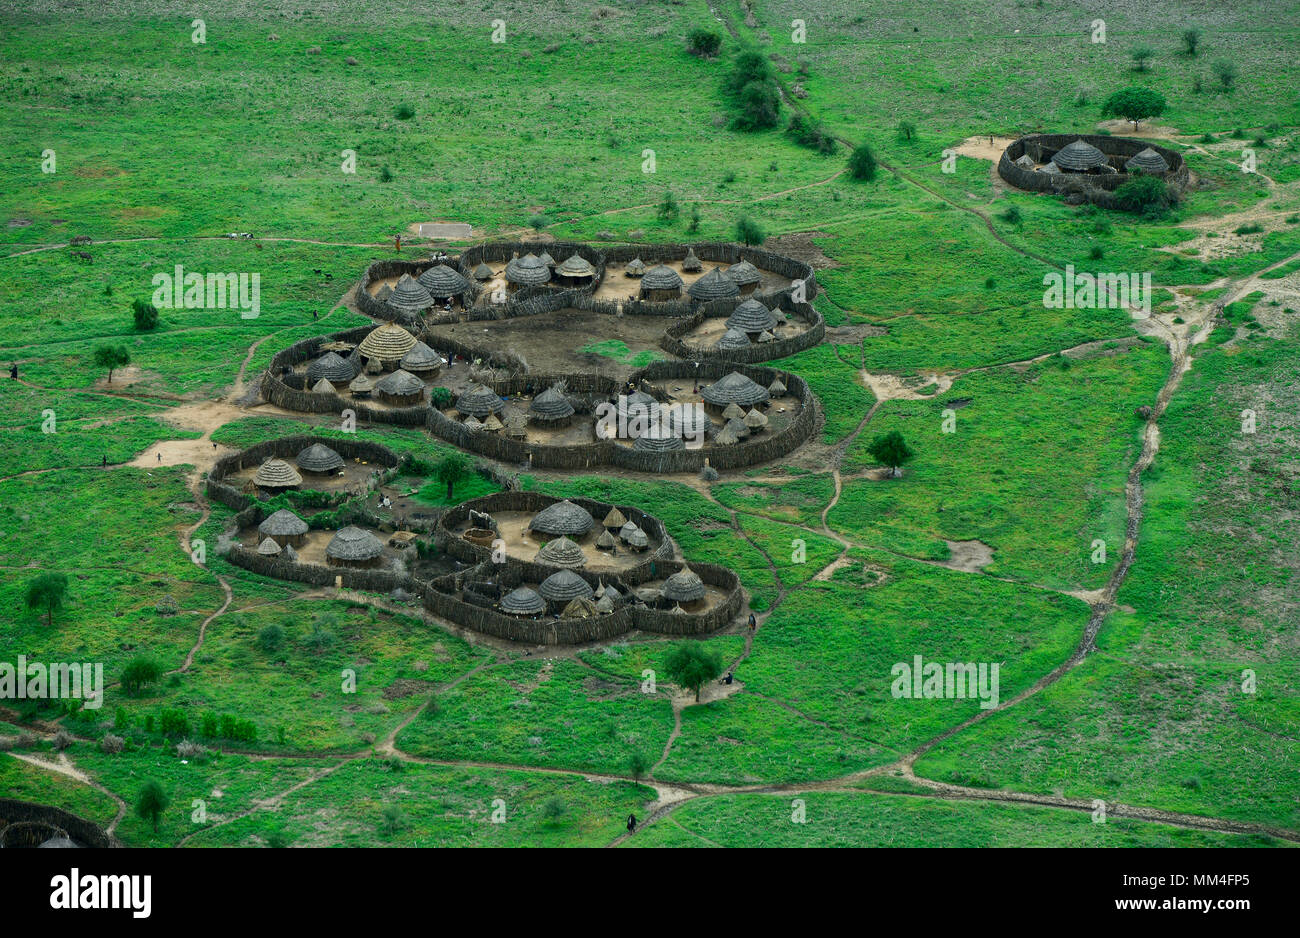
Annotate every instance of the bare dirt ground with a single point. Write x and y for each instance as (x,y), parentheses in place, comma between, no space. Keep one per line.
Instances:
(888,387)
(801,246)
(522,545)
(981,149)
(968,556)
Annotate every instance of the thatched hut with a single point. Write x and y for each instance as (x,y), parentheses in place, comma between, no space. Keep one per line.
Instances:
(684,586)
(1079,157)
(473,423)
(628,528)
(545,258)
(689,421)
(354,547)
(744,275)
(400,388)
(752,317)
(551,408)
(690,263)
(276,475)
(268,548)
(527,271)
(732,340)
(422,360)
(660,283)
(479,400)
(765,336)
(777,388)
(1149,162)
(613,520)
(284,527)
(581,608)
(561,552)
(362,385)
(323,387)
(734,388)
(409,298)
(726,437)
(320,459)
(444,283)
(575,271)
(334,368)
(737,426)
(713,286)
(635,268)
(658,440)
(733,411)
(756,421)
(637,539)
(386,345)
(638,411)
(522,601)
(483,272)
(1025,161)
(562,587)
(562,518)
(516,426)
(604,605)
(492,424)
(606,541)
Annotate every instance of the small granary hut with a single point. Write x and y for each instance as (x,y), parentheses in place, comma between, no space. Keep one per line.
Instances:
(545,258)
(689,422)
(323,387)
(613,520)
(479,400)
(737,426)
(1149,162)
(684,586)
(551,408)
(713,286)
(527,271)
(628,528)
(483,272)
(384,292)
(580,608)
(752,317)
(516,426)
(766,336)
(362,385)
(732,340)
(1025,162)
(353,547)
(658,440)
(661,283)
(522,601)
(726,437)
(268,548)
(409,298)
(561,552)
(575,271)
(444,283)
(756,421)
(473,423)
(733,411)
(1079,157)
(386,345)
(638,411)
(606,541)
(562,587)
(635,268)
(777,388)
(492,424)
(290,554)
(332,367)
(275,475)
(604,605)
(422,360)
(284,527)
(400,388)
(690,263)
(744,275)
(1049,167)
(320,459)
(734,388)
(637,539)
(562,518)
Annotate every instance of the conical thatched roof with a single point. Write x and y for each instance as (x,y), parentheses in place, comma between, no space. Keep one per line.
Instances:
(492,424)
(564,585)
(384,292)
(635,268)
(545,258)
(473,423)
(688,420)
(523,601)
(387,344)
(737,426)
(319,458)
(409,296)
(755,420)
(561,552)
(744,273)
(660,277)
(283,523)
(1025,161)
(276,474)
(604,605)
(580,608)
(323,387)
(627,529)
(611,594)
(657,440)
(638,404)
(528,271)
(483,272)
(401,383)
(268,547)
(777,388)
(733,411)
(726,437)
(516,426)
(732,339)
(1079,156)
(575,266)
(713,286)
(690,263)
(684,586)
(614,519)
(479,400)
(352,543)
(442,281)
(606,541)
(766,336)
(290,553)
(637,538)
(562,518)
(1050,167)
(734,388)
(752,316)
(1149,161)
(551,404)
(333,367)
(362,384)
(422,358)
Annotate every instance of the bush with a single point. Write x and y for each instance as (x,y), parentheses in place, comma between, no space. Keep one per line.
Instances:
(385,174)
(809,133)
(1226,72)
(173,722)
(537,222)
(145,315)
(62,740)
(1142,56)
(153,801)
(139,673)
(703,42)
(1012,215)
(111,744)
(862,163)
(404,112)
(1191,40)
(270,638)
(760,106)
(748,231)
(554,811)
(191,751)
(440,397)
(668,208)
(1144,194)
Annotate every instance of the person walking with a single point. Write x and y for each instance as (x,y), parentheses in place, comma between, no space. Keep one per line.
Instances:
(631,823)
(753,623)
(13,371)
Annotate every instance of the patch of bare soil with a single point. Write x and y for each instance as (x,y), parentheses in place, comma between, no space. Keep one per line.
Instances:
(854,334)
(1146,130)
(122,378)
(968,556)
(888,387)
(405,687)
(800,246)
(984,147)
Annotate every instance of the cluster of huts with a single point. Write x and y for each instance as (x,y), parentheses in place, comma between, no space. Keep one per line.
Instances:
(749,323)
(1081,157)
(566,595)
(276,475)
(283,532)
(389,365)
(440,287)
(736,399)
(661,283)
(534,270)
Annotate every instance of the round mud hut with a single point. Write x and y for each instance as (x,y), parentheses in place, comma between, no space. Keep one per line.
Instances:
(562,519)
(354,547)
(1148,161)
(479,400)
(744,275)
(422,360)
(714,285)
(561,552)
(333,368)
(658,440)
(400,388)
(483,273)
(522,601)
(445,283)
(551,409)
(1080,157)
(527,271)
(736,389)
(362,385)
(752,318)
(635,268)
(276,475)
(660,284)
(613,520)
(684,586)
(386,345)
(284,528)
(732,340)
(409,298)
(575,271)
(563,587)
(690,263)
(320,459)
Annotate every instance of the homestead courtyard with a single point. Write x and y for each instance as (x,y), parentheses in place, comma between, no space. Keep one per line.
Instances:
(1069,484)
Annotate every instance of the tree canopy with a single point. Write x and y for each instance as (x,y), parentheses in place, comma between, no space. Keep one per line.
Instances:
(691,665)
(111,357)
(892,450)
(453,468)
(1134,104)
(47,592)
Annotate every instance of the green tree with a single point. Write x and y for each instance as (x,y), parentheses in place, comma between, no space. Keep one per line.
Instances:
(554,811)
(748,67)
(452,470)
(1145,195)
(111,357)
(703,42)
(691,665)
(1142,56)
(1134,104)
(153,801)
(668,207)
(760,106)
(47,592)
(145,315)
(862,163)
(638,764)
(139,672)
(537,222)
(749,231)
(906,131)
(694,226)
(892,450)
(1191,40)
(1226,72)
